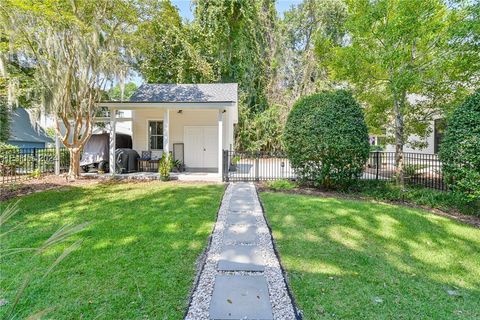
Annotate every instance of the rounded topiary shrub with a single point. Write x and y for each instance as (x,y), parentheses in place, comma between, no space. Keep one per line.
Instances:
(326,139)
(460,149)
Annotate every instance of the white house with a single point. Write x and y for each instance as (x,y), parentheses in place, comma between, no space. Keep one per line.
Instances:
(428,145)
(431,143)
(196,119)
(415,144)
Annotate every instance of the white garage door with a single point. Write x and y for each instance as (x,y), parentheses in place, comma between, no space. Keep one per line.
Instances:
(201,147)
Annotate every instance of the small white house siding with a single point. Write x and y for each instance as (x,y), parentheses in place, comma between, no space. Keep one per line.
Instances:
(140,120)
(177,122)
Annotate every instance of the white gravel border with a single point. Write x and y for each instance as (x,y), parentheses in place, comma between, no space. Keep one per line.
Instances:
(281,302)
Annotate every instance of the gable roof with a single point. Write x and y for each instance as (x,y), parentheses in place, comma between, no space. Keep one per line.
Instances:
(211,92)
(23,129)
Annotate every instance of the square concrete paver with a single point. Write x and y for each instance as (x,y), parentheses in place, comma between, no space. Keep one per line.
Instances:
(241,205)
(243,193)
(241,258)
(240,297)
(242,199)
(241,233)
(241,218)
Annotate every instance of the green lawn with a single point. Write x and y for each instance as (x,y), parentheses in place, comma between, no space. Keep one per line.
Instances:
(138,255)
(365,260)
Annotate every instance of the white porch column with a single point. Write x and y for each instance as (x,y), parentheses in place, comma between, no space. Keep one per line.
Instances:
(113,129)
(166,139)
(220,142)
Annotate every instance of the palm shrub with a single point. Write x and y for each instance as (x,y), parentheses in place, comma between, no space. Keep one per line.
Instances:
(460,149)
(326,139)
(61,236)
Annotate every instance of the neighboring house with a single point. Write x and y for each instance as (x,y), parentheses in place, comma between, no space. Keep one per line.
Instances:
(195,121)
(25,132)
(432,140)
(430,144)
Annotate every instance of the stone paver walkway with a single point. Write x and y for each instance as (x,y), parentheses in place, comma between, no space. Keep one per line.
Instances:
(241,278)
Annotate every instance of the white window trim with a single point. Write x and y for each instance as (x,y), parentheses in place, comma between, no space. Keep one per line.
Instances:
(148,134)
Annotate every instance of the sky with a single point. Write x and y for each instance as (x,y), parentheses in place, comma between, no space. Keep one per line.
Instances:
(185,10)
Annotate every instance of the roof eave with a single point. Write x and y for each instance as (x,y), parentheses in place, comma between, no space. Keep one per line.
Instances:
(126,105)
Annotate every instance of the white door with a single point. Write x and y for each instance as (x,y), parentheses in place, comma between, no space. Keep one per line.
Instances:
(193,140)
(210,143)
(201,147)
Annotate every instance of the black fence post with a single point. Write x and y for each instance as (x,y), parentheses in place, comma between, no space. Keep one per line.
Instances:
(225,166)
(257,163)
(34,158)
(377,164)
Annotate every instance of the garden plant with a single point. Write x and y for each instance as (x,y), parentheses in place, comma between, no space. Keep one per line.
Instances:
(460,149)
(326,139)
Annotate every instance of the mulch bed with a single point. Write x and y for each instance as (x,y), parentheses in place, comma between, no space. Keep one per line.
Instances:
(471,220)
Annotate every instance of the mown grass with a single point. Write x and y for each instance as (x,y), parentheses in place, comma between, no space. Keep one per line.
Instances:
(348,259)
(137,259)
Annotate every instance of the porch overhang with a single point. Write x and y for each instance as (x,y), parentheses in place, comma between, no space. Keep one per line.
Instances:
(220,108)
(127,105)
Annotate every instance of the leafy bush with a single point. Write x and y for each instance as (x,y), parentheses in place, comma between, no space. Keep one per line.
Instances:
(36,174)
(165,166)
(261,130)
(374,148)
(326,139)
(447,201)
(280,185)
(4,147)
(460,149)
(9,159)
(410,170)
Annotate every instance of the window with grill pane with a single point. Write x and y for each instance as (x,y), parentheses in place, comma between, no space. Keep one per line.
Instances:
(155,135)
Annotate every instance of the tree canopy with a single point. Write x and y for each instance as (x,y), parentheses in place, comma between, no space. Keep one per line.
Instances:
(404,60)
(76,49)
(401,59)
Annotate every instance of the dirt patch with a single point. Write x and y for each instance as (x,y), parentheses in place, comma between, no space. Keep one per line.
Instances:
(49,182)
(12,190)
(471,220)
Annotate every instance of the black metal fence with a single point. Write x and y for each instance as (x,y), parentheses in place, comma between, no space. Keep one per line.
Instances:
(420,169)
(23,163)
(256,166)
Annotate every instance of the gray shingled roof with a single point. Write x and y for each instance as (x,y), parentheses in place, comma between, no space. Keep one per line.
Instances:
(22,128)
(212,92)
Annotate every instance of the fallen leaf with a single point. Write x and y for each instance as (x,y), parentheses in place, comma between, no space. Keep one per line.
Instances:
(453,293)
(377,300)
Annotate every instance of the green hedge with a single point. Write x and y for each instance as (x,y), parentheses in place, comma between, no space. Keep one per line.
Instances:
(460,149)
(326,139)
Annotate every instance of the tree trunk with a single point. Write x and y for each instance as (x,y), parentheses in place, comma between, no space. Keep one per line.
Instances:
(399,139)
(74,167)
